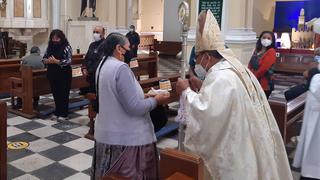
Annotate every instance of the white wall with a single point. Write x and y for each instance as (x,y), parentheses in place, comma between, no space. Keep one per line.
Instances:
(151,15)
(171,25)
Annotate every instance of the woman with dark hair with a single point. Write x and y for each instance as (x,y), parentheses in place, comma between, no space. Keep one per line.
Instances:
(125,142)
(58,59)
(262,61)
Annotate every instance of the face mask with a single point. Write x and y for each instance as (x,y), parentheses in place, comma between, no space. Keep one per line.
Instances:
(131,30)
(96,37)
(317,58)
(266,42)
(127,56)
(200,71)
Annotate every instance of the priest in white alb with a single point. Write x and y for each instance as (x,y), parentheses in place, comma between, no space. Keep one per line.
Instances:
(307,155)
(229,122)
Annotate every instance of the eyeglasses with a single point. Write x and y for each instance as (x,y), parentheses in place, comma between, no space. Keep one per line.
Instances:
(96,32)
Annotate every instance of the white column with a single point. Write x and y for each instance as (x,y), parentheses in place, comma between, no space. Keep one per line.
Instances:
(171,25)
(28,9)
(239,35)
(9,10)
(129,13)
(44,9)
(56,14)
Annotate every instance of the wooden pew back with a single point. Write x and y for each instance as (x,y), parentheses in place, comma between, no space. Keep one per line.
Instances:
(3,140)
(8,68)
(11,68)
(173,161)
(287,114)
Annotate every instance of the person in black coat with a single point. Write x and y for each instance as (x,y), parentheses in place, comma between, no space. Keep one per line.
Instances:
(59,73)
(134,40)
(93,57)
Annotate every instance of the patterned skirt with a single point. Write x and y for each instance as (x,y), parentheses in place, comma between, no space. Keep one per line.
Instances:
(132,162)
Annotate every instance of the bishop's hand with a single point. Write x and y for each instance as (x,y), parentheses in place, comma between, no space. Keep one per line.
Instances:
(182,84)
(195,83)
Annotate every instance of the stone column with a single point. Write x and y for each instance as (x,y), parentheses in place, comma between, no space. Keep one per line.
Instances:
(129,13)
(44,9)
(55,13)
(29,9)
(9,10)
(239,35)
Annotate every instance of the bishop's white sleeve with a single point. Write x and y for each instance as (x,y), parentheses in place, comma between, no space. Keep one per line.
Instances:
(315,86)
(212,105)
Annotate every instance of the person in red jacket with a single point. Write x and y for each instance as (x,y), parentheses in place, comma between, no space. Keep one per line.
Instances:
(262,61)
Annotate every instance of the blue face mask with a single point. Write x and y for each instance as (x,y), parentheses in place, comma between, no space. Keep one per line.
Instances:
(317,58)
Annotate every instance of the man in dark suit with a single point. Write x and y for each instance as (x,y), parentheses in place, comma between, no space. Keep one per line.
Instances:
(134,40)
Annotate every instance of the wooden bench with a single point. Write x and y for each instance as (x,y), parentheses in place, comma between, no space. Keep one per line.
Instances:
(147,65)
(294,60)
(146,86)
(287,114)
(11,68)
(171,48)
(8,68)
(34,83)
(3,140)
(176,164)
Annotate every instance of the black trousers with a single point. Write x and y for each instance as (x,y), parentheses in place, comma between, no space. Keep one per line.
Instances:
(134,52)
(268,93)
(92,82)
(60,82)
(35,101)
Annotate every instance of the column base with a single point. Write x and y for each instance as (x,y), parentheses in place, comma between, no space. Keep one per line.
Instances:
(243,42)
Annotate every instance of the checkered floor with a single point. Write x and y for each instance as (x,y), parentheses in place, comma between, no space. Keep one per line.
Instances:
(58,150)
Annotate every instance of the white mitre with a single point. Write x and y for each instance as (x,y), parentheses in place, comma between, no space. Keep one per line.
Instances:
(212,39)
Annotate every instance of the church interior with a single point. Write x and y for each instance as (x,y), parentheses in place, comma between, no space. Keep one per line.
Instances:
(33,146)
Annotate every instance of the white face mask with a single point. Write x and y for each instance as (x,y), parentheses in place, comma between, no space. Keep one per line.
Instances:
(96,37)
(266,42)
(200,71)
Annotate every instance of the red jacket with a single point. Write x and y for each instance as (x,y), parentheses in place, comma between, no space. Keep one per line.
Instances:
(265,63)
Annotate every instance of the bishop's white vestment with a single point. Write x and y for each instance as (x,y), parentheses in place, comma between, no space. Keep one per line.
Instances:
(308,150)
(232,128)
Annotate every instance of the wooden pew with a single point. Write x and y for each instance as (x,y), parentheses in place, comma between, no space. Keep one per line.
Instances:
(3,140)
(147,65)
(34,83)
(8,68)
(294,60)
(176,164)
(167,47)
(146,86)
(287,114)
(11,68)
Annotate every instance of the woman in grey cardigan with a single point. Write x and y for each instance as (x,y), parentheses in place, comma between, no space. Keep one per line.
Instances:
(125,143)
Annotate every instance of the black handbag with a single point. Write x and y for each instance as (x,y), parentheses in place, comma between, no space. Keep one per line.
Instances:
(159,117)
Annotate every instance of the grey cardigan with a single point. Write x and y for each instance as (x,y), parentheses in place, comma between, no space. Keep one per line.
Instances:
(123,117)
